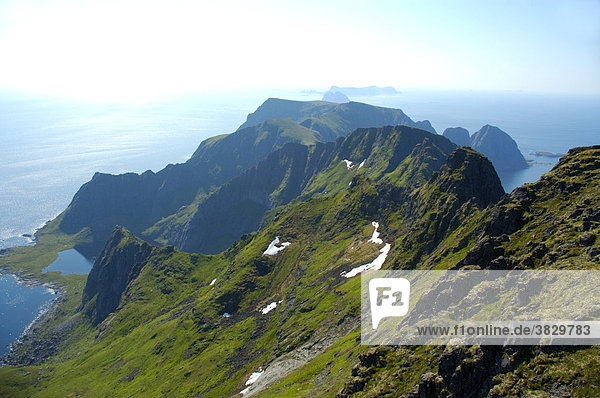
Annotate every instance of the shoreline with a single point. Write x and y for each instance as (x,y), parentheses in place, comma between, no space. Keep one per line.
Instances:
(54,288)
(46,311)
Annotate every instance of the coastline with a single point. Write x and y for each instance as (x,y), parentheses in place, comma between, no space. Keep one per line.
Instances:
(55,289)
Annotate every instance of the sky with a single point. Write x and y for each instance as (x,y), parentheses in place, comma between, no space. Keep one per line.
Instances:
(106,48)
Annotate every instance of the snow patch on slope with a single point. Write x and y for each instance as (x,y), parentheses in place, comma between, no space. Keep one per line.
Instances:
(378,262)
(372,266)
(253,378)
(273,249)
(375,238)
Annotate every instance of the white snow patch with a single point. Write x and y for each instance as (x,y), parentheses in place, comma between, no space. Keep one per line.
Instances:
(273,249)
(375,238)
(253,378)
(269,308)
(213,282)
(349,164)
(372,266)
(362,163)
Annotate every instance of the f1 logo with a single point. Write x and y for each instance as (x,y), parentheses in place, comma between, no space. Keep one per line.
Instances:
(388,297)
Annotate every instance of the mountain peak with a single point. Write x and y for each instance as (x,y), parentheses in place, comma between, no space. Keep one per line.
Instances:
(499,147)
(470,175)
(119,263)
(458,135)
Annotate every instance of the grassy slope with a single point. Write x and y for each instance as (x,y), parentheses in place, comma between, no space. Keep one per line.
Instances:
(170,337)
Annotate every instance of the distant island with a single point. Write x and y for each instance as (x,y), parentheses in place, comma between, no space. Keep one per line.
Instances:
(547,154)
(370,91)
(335,97)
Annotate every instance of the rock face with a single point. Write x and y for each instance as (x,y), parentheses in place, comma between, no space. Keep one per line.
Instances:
(494,143)
(458,135)
(119,263)
(336,97)
(499,147)
(468,175)
(239,206)
(138,202)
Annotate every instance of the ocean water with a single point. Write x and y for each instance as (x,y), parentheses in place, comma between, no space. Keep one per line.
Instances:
(50,146)
(70,262)
(19,305)
(537,122)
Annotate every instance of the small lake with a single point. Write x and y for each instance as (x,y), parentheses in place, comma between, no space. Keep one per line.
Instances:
(70,262)
(20,304)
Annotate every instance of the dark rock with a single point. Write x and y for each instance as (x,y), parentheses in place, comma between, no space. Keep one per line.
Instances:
(467,371)
(430,386)
(593,252)
(539,250)
(499,147)
(458,135)
(120,262)
(587,239)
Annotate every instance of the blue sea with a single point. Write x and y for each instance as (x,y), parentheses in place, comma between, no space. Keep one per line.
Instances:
(50,146)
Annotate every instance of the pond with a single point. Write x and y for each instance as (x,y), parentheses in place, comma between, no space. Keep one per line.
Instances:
(70,262)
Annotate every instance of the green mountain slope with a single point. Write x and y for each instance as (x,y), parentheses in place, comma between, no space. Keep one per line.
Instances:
(170,317)
(297,171)
(140,201)
(188,324)
(332,120)
(281,306)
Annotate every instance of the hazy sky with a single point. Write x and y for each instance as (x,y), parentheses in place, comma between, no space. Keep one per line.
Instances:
(138,48)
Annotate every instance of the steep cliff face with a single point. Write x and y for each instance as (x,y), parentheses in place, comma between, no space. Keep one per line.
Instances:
(458,135)
(499,147)
(300,172)
(137,201)
(494,143)
(239,206)
(467,175)
(119,263)
(140,201)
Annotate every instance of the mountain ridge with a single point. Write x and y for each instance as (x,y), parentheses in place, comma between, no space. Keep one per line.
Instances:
(203,321)
(143,202)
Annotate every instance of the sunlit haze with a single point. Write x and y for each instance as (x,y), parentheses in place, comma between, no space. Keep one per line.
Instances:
(135,49)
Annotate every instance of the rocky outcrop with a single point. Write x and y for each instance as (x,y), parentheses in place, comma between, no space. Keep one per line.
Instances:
(499,147)
(458,135)
(119,263)
(335,97)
